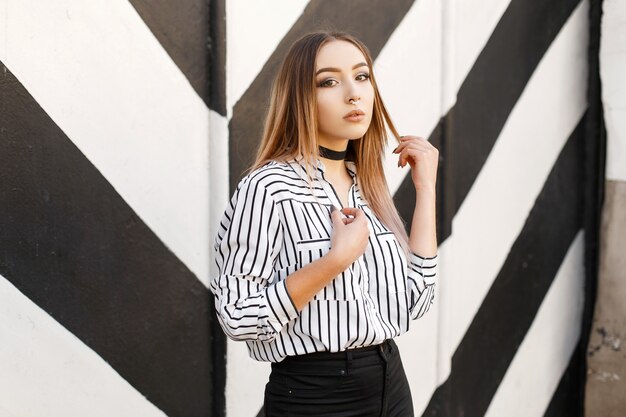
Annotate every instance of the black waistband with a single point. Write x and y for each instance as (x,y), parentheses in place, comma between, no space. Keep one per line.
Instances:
(342,355)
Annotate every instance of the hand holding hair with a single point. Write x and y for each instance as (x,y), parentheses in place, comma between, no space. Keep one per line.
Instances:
(423,159)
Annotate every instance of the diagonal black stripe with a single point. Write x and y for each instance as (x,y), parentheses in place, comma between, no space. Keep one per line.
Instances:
(484,101)
(372,24)
(72,245)
(508,310)
(192,32)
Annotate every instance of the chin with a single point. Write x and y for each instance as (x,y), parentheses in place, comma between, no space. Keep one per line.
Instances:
(356,137)
(356,134)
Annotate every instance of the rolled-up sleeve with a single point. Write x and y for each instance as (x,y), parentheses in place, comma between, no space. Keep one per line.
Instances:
(422,274)
(250,305)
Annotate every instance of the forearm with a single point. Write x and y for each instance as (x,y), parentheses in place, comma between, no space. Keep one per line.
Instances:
(307,281)
(423,237)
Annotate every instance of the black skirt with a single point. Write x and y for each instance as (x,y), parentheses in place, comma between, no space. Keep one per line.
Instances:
(361,382)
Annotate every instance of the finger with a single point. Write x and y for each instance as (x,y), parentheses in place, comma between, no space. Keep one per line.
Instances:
(335,216)
(422,151)
(412,137)
(357,214)
(347,220)
(419,143)
(411,153)
(416,141)
(415,155)
(350,211)
(419,147)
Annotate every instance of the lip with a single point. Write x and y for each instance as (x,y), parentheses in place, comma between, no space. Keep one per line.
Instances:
(356,118)
(355,115)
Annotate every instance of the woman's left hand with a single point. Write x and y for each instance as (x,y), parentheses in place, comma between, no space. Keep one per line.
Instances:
(423,159)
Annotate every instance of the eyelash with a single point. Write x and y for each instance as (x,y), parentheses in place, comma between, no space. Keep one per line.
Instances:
(367,77)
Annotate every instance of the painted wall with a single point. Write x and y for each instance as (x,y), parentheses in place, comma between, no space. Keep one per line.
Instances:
(105,193)
(124,127)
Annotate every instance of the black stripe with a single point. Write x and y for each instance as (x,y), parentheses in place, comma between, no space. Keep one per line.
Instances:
(507,312)
(372,24)
(74,247)
(496,80)
(193,33)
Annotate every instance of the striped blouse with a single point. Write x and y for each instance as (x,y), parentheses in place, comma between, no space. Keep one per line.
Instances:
(273,226)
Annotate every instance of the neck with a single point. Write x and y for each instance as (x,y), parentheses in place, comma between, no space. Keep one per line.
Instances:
(334,167)
(333,159)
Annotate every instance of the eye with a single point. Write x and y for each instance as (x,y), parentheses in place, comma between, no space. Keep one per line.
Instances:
(365,76)
(326,82)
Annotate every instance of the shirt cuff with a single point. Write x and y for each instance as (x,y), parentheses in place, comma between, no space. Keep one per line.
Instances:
(281,307)
(426,266)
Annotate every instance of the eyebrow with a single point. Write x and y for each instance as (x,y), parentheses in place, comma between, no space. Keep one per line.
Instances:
(332,69)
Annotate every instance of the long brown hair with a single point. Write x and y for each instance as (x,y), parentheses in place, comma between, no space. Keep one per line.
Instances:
(291,126)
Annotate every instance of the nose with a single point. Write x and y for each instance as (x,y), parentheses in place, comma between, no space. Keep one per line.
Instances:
(353,92)
(353,98)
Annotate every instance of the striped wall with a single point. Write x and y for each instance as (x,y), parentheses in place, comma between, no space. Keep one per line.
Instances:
(106,195)
(126,125)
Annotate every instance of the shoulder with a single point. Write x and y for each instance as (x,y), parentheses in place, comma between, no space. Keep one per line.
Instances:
(268,176)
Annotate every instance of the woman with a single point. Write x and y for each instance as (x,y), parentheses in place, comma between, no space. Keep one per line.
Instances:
(316,271)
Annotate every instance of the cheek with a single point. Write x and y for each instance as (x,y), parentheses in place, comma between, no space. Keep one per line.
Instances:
(326,101)
(326,109)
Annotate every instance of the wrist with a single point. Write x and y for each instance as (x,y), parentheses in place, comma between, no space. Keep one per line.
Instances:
(338,260)
(425,189)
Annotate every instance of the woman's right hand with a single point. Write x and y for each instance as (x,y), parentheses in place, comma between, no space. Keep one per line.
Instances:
(350,235)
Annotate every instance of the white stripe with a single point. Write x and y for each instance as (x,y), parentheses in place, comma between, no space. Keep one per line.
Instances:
(218,178)
(47,371)
(408,73)
(99,73)
(245,378)
(419,346)
(542,358)
(495,209)
(612,70)
(254,29)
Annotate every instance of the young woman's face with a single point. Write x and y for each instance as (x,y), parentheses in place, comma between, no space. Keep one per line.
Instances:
(342,74)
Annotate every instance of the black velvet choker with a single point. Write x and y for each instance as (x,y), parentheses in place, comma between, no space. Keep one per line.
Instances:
(330,154)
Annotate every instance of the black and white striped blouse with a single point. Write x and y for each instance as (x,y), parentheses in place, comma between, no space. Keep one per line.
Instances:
(272,227)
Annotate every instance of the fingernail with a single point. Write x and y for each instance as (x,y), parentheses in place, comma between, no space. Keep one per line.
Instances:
(394,151)
(333,209)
